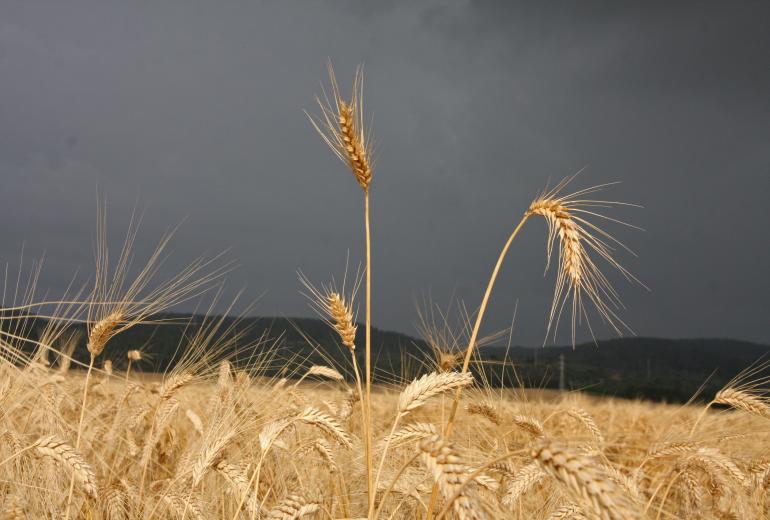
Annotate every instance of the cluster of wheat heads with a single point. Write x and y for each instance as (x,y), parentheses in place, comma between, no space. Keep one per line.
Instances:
(341,125)
(224,441)
(218,438)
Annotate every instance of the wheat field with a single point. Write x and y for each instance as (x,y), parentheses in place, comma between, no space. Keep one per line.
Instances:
(219,438)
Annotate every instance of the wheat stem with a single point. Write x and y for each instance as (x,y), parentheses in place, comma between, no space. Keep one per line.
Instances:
(472,345)
(80,431)
(368,356)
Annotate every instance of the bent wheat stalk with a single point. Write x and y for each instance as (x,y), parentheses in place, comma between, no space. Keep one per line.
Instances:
(577,274)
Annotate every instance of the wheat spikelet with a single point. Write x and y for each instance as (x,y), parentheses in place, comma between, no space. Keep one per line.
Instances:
(670,449)
(693,497)
(272,431)
(504,468)
(623,480)
(55,449)
(102,332)
(413,431)
(292,507)
(450,475)
(183,505)
(347,405)
(342,128)
(342,319)
(484,410)
(584,480)
(163,416)
(324,371)
(447,361)
(134,355)
(523,481)
(567,512)
(114,503)
(12,439)
(528,424)
(239,481)
(588,421)
(173,384)
(716,461)
(577,274)
(327,424)
(210,452)
(744,400)
(485,481)
(322,447)
(430,385)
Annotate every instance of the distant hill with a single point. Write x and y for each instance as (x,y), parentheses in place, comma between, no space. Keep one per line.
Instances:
(653,368)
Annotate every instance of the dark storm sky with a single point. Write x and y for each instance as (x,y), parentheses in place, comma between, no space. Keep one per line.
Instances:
(195,110)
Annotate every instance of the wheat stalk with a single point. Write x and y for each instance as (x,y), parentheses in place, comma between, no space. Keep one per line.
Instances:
(341,127)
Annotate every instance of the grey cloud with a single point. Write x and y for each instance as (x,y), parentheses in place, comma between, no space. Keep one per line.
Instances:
(195,110)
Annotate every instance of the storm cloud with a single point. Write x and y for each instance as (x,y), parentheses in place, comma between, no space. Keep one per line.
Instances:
(194,111)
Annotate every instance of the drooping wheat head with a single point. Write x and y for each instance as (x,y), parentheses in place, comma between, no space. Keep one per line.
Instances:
(578,276)
(584,480)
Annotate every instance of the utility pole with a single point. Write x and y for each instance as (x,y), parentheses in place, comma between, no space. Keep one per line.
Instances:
(561,372)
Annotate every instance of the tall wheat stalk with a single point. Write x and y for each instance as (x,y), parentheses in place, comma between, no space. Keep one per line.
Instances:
(341,126)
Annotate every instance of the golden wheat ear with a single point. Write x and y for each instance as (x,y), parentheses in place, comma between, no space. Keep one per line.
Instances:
(578,276)
(341,125)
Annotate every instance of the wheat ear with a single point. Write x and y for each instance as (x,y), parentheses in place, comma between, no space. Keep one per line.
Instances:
(430,385)
(522,482)
(417,394)
(292,507)
(585,480)
(744,400)
(449,474)
(578,276)
(58,450)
